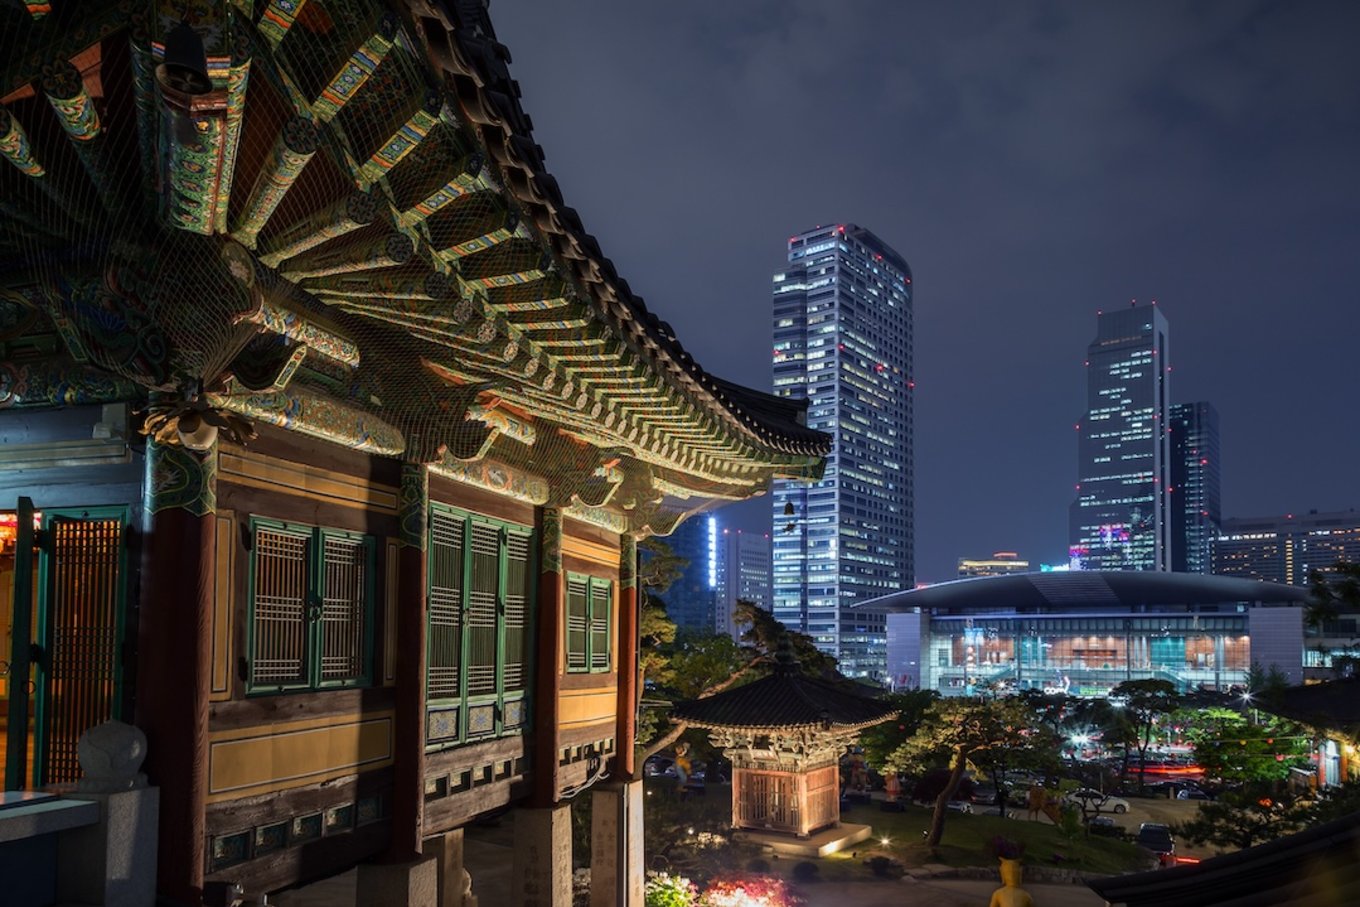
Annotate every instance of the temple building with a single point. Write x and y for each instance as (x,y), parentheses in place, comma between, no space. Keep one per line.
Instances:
(327,435)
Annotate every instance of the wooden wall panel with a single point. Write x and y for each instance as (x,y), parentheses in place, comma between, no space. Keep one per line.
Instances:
(479,500)
(581,708)
(257,711)
(258,760)
(303,861)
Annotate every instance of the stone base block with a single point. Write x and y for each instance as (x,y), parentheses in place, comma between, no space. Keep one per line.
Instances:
(112,863)
(414,884)
(820,844)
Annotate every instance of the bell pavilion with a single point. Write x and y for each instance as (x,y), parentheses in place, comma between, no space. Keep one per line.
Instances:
(784,735)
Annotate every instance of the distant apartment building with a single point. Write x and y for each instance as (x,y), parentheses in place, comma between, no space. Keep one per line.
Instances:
(843,341)
(1196,479)
(1000,563)
(1120,519)
(1285,549)
(743,574)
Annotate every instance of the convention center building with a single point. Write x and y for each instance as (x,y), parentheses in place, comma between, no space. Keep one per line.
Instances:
(1083,632)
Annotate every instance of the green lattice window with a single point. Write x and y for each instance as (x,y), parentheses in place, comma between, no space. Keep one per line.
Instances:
(480,594)
(589,600)
(310,607)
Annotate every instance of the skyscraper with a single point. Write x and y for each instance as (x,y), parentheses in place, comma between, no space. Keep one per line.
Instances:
(690,599)
(1121,517)
(743,568)
(843,340)
(1196,474)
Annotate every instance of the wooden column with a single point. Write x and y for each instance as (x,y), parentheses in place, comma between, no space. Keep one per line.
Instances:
(408,794)
(174,655)
(626,742)
(548,663)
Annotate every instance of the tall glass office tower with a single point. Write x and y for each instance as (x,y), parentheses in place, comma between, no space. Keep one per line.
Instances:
(843,340)
(1196,477)
(1121,517)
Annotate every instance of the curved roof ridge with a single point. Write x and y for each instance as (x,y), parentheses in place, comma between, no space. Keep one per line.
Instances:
(484,60)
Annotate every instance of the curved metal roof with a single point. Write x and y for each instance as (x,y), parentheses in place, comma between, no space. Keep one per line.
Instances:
(1087,588)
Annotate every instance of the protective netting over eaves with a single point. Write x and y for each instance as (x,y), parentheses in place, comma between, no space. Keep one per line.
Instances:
(330,216)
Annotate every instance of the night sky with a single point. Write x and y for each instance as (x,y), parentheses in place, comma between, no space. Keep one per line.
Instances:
(1034,162)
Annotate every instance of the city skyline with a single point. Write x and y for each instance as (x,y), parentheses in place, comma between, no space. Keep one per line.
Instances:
(1034,166)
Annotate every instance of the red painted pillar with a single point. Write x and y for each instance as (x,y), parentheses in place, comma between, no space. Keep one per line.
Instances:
(548,664)
(626,743)
(174,654)
(408,794)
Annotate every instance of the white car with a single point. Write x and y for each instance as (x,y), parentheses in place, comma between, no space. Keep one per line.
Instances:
(959,806)
(1089,799)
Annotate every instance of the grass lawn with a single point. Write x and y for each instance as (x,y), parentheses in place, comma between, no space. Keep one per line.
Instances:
(674,827)
(966,839)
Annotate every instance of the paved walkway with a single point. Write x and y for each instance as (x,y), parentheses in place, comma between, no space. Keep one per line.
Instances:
(490,859)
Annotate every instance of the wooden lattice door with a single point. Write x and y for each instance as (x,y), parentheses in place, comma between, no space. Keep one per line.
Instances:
(83,580)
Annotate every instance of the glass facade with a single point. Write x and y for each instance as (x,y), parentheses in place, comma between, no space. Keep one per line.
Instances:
(1087,655)
(843,341)
(690,599)
(1120,519)
(1196,477)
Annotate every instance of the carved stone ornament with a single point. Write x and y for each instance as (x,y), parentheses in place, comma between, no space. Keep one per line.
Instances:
(111,756)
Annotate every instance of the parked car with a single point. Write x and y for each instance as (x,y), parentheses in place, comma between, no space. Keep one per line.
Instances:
(1156,837)
(959,806)
(1094,799)
(1193,793)
(659,767)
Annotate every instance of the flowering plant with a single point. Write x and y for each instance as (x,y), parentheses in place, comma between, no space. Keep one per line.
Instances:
(666,890)
(762,891)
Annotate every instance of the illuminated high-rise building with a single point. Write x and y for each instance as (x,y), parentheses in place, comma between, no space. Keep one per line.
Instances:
(1286,549)
(1196,476)
(743,574)
(690,599)
(1121,517)
(843,341)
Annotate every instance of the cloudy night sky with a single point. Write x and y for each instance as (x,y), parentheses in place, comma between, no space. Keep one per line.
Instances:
(1034,162)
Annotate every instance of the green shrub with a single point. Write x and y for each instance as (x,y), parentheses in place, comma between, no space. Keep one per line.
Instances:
(807,871)
(885,867)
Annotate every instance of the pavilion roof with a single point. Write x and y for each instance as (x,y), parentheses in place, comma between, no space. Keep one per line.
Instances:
(342,226)
(1315,866)
(785,700)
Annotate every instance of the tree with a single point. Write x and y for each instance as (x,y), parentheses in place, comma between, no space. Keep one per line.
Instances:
(699,661)
(956,731)
(1331,595)
(1261,811)
(1232,748)
(699,665)
(881,740)
(1252,814)
(1144,702)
